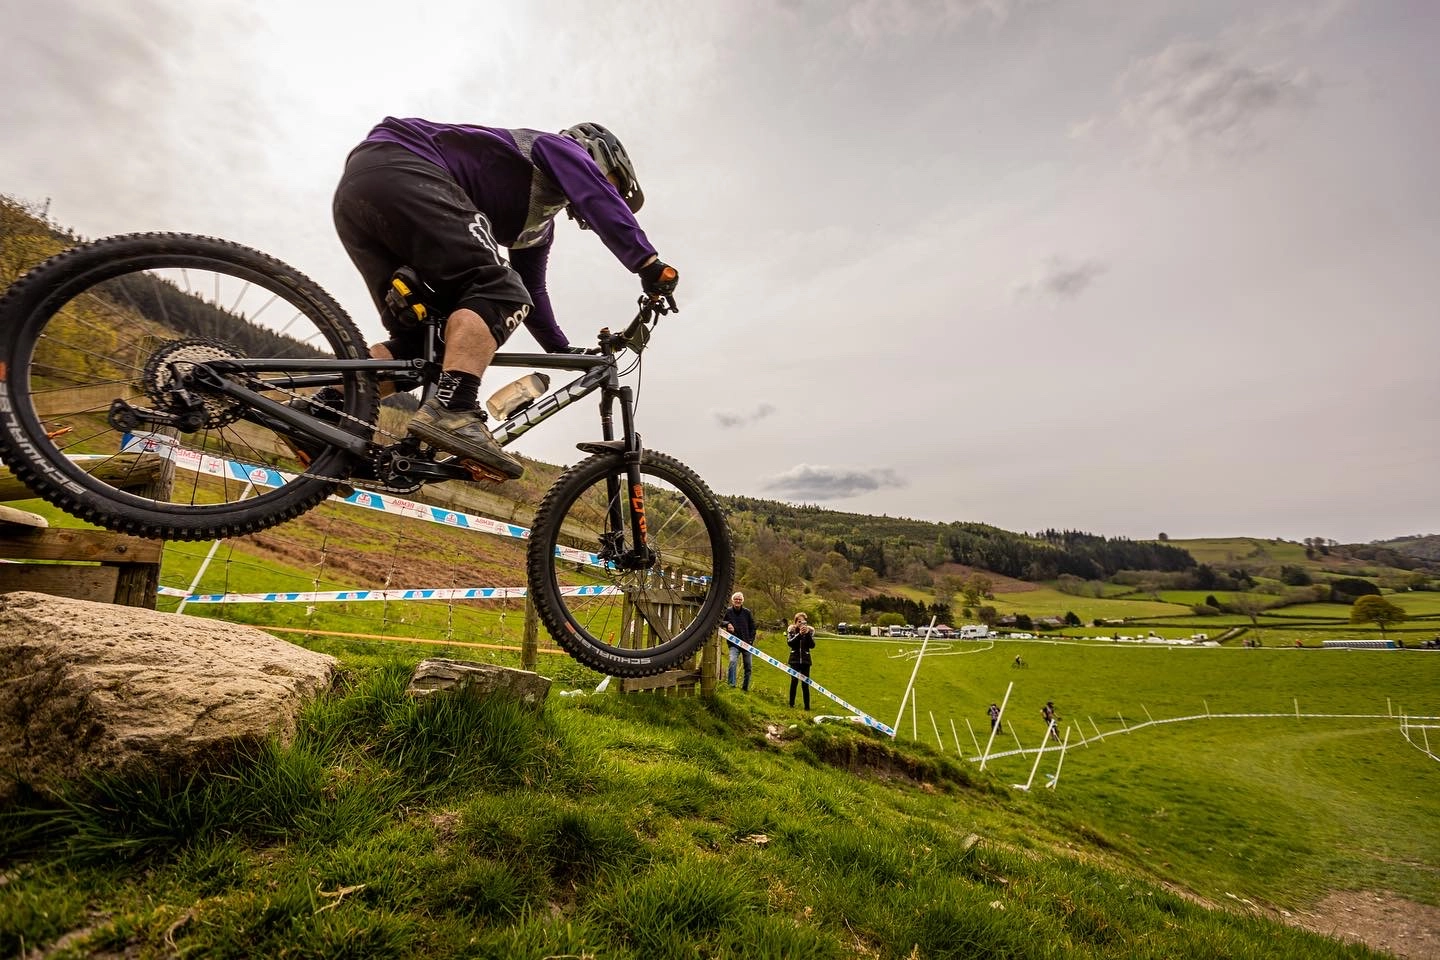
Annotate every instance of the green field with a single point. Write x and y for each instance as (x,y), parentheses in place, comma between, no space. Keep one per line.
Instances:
(1223,551)
(1050,602)
(1277,809)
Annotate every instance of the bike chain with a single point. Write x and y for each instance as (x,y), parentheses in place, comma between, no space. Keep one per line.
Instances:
(375,430)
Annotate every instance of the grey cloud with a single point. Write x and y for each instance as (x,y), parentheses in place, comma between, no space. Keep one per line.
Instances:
(1193,97)
(813,482)
(1061,279)
(872,21)
(729,420)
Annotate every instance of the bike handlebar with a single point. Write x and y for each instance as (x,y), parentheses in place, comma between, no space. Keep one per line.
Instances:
(637,334)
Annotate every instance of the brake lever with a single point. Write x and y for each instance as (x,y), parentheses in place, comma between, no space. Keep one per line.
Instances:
(661,303)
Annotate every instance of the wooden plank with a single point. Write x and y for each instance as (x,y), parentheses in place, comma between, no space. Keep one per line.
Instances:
(21,518)
(669,678)
(63,544)
(127,471)
(76,581)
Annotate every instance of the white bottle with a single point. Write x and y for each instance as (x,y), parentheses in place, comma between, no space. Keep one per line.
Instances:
(514,397)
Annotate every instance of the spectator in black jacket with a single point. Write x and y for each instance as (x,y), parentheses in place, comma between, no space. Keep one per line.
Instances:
(801,640)
(738,620)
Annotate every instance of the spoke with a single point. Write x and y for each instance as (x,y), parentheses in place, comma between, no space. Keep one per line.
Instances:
(78,440)
(291,322)
(102,357)
(160,300)
(89,385)
(256,315)
(244,289)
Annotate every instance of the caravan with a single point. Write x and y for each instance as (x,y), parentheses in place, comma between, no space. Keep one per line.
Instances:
(973,631)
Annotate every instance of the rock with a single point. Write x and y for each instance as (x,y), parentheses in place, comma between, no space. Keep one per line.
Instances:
(95,687)
(481,680)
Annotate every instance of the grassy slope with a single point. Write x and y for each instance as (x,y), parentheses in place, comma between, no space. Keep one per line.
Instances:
(1304,801)
(647,827)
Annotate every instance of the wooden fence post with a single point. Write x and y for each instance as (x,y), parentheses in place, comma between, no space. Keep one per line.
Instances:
(530,642)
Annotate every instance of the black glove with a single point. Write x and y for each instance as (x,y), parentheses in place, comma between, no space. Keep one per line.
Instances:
(658,278)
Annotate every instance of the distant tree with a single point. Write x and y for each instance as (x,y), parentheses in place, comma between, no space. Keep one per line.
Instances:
(987,615)
(1071,620)
(1205,577)
(1376,610)
(889,620)
(1023,621)
(1249,605)
(1210,601)
(947,585)
(1295,576)
(774,569)
(865,577)
(978,587)
(1164,536)
(1349,589)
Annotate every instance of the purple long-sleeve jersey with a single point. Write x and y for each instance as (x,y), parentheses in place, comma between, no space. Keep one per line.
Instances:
(520,179)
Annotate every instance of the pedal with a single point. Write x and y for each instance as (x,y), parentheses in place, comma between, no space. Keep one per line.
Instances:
(479,472)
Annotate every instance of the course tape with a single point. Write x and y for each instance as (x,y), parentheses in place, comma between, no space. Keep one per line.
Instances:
(349,596)
(860,715)
(1132,727)
(207,465)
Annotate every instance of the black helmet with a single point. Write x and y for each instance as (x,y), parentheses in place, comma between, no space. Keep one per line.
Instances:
(609,153)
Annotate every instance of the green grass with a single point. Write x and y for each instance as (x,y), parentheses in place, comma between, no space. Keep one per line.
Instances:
(657,827)
(1225,552)
(1049,602)
(1234,765)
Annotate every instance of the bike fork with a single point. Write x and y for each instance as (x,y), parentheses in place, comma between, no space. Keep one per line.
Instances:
(629,487)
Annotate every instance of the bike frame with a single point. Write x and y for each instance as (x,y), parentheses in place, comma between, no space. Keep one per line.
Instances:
(598,372)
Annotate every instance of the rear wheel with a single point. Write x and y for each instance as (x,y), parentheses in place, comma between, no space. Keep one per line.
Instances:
(110,327)
(618,613)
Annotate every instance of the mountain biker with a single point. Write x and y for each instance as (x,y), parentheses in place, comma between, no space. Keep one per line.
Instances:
(442,199)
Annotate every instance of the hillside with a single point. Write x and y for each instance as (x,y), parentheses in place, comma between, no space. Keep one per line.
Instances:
(645,827)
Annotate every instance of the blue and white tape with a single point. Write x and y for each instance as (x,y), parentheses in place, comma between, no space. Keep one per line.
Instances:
(860,715)
(354,596)
(206,465)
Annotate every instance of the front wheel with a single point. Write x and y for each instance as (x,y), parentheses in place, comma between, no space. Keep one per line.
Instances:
(612,607)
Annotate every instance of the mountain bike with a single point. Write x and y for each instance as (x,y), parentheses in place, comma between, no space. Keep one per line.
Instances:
(166,386)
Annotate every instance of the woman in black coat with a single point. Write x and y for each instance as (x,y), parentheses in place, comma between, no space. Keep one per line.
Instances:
(801,639)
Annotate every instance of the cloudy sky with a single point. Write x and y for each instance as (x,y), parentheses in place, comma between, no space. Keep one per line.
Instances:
(1116,265)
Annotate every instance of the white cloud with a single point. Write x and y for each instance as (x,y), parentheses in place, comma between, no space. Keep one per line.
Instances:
(1191,99)
(814,482)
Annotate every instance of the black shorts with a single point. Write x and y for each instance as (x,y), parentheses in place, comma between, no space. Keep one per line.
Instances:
(394,209)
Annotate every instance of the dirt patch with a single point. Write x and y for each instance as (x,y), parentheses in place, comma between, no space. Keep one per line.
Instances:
(1381,921)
